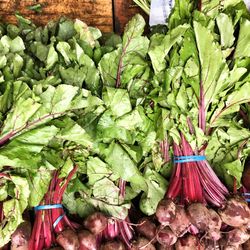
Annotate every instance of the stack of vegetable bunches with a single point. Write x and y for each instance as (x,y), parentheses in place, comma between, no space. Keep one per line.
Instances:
(128,142)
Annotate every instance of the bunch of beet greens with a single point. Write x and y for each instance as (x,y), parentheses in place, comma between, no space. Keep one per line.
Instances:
(152,124)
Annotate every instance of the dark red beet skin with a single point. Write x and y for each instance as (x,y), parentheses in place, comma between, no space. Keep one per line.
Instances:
(165,212)
(246,245)
(166,237)
(96,222)
(237,237)
(146,228)
(189,242)
(68,240)
(199,216)
(236,212)
(214,226)
(113,245)
(21,236)
(87,240)
(181,222)
(142,244)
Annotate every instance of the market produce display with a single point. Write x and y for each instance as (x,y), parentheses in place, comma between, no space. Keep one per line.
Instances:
(131,142)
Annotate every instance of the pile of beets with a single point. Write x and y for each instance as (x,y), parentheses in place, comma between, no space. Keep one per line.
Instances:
(172,227)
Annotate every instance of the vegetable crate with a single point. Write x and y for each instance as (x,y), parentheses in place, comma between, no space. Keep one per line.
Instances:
(107,15)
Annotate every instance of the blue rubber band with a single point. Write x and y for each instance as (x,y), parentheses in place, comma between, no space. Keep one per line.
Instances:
(45,207)
(247,200)
(189,158)
(246,194)
(58,220)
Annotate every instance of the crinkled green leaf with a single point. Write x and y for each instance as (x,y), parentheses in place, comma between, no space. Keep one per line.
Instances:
(159,52)
(243,46)
(157,186)
(14,208)
(123,166)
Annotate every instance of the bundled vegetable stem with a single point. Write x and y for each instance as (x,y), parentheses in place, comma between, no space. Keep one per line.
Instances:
(50,216)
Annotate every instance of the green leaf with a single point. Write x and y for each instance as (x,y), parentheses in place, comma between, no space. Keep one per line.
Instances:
(39,185)
(157,187)
(52,57)
(14,208)
(75,133)
(214,70)
(116,67)
(226,29)
(158,53)
(123,166)
(117,100)
(97,170)
(23,151)
(243,46)
(234,170)
(65,50)
(107,198)
(107,130)
(87,34)
(65,30)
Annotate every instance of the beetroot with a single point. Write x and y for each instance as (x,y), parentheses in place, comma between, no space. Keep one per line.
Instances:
(189,242)
(166,237)
(142,244)
(237,237)
(211,244)
(246,245)
(20,238)
(165,212)
(232,248)
(146,228)
(113,245)
(68,240)
(214,226)
(87,240)
(199,216)
(181,222)
(161,247)
(236,213)
(96,222)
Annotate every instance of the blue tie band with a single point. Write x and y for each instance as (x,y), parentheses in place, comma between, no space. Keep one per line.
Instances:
(189,158)
(247,195)
(46,207)
(54,206)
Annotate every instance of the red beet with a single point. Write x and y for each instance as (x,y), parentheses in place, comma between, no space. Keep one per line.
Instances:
(87,240)
(214,226)
(20,238)
(165,212)
(189,242)
(236,212)
(166,237)
(96,222)
(232,248)
(161,247)
(113,245)
(246,245)
(142,244)
(68,240)
(199,216)
(181,222)
(237,237)
(146,228)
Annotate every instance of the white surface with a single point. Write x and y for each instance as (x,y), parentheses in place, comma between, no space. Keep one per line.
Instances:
(159,11)
(247,2)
